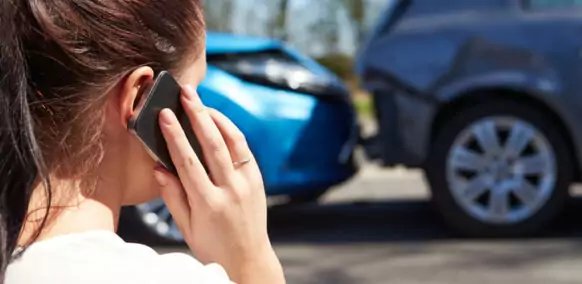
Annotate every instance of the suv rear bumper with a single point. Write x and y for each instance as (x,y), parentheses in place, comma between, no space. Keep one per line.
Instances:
(404,129)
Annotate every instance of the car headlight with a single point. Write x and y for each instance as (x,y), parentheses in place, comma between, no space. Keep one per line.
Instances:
(277,70)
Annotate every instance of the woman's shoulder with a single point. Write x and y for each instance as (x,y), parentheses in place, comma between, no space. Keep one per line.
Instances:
(103,257)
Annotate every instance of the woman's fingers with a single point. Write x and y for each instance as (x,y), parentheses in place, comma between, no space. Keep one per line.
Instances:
(216,153)
(233,137)
(175,198)
(191,172)
(238,147)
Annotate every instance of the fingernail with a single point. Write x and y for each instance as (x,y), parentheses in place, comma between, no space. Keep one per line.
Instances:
(190,94)
(160,178)
(165,116)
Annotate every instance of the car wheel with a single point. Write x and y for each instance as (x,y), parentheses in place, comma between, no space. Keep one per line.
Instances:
(499,169)
(150,223)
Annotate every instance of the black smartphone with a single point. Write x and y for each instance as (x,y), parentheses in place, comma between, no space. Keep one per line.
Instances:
(161,93)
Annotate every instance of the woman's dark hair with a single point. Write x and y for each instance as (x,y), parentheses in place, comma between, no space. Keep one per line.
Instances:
(57,58)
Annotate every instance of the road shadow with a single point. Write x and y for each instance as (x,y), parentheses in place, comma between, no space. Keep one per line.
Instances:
(385,221)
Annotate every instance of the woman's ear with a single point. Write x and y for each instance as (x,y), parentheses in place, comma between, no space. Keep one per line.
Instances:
(129,92)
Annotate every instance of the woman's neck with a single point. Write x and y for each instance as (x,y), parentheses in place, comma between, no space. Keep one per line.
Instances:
(71,211)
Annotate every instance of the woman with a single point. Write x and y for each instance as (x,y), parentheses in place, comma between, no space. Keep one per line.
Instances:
(71,72)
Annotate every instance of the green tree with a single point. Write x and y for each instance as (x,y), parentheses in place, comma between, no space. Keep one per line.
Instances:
(276,24)
(281,20)
(357,13)
(325,28)
(218,14)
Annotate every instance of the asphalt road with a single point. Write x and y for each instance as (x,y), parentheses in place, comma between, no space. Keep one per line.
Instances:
(380,228)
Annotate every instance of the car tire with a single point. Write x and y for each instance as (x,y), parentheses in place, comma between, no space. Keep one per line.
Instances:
(461,210)
(133,228)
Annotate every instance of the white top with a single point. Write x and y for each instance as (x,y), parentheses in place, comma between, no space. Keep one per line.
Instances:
(101,257)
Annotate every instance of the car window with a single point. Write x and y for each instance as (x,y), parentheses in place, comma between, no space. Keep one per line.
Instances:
(392,13)
(552,4)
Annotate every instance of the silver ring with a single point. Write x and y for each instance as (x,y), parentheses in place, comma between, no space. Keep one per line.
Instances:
(241,162)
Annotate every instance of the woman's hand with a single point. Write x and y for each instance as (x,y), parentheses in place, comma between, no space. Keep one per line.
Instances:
(222,216)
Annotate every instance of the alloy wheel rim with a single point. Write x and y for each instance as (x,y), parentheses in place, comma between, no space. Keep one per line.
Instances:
(501,170)
(156,216)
